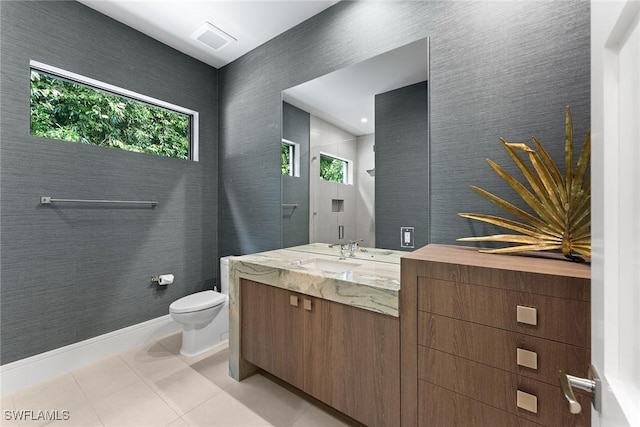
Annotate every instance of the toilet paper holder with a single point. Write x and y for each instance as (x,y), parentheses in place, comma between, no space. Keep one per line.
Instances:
(162,279)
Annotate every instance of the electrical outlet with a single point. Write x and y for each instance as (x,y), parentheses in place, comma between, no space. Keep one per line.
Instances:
(406,237)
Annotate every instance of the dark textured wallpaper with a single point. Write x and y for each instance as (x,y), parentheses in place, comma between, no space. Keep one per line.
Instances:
(402,166)
(72,272)
(498,69)
(295,189)
(509,70)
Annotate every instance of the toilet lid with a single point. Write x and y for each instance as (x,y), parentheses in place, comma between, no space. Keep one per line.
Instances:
(196,302)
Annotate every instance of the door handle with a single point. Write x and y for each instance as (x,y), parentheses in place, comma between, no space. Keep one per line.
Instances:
(591,385)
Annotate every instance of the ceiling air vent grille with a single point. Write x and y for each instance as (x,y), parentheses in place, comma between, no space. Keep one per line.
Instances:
(212,36)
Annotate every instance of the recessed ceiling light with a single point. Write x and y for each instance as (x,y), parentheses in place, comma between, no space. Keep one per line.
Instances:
(364,120)
(212,36)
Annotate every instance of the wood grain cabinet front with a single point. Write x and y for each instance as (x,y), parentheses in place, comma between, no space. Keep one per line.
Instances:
(483,337)
(272,326)
(500,389)
(558,319)
(518,353)
(348,358)
(439,407)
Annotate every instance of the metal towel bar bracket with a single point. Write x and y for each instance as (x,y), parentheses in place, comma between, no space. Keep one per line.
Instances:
(47,200)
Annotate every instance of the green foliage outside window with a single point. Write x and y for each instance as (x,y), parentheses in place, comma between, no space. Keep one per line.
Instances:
(332,169)
(69,111)
(286,159)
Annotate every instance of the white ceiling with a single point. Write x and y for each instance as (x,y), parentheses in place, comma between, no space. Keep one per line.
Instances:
(250,22)
(345,96)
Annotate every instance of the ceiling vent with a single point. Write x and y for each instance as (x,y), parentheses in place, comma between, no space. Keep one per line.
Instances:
(212,36)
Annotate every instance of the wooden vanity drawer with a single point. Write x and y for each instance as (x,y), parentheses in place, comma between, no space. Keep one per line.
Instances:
(499,388)
(499,348)
(557,319)
(440,407)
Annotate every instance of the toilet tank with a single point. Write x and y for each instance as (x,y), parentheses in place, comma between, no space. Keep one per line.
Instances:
(224,274)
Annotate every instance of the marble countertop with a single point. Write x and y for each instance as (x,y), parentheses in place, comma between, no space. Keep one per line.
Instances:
(371,280)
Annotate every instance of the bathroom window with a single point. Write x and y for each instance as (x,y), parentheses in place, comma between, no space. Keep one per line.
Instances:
(290,158)
(69,107)
(334,169)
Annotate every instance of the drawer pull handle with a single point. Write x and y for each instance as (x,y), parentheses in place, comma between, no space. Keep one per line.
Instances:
(526,358)
(307,304)
(528,402)
(293,300)
(527,315)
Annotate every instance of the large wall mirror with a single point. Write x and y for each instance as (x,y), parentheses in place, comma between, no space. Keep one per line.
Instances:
(355,153)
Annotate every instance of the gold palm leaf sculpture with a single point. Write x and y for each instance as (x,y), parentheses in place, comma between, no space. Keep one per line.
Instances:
(561,204)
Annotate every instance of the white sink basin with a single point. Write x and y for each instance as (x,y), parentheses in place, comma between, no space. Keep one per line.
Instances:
(330,265)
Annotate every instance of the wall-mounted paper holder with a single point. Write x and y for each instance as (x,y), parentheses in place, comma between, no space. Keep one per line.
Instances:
(162,279)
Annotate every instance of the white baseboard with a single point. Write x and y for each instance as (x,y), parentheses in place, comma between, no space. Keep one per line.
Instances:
(44,366)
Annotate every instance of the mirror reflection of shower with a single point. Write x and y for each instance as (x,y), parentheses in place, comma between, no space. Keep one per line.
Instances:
(328,147)
(341,201)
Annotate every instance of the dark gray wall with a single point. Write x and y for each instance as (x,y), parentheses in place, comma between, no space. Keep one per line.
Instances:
(402,165)
(497,69)
(511,70)
(73,272)
(295,189)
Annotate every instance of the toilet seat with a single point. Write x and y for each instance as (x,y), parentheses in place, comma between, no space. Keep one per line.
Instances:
(197,302)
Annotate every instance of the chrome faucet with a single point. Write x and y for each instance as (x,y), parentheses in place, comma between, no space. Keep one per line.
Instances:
(343,248)
(352,247)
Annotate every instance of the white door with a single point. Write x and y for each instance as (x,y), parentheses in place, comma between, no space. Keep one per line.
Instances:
(615,121)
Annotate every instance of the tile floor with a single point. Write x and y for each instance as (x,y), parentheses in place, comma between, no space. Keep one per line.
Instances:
(155,386)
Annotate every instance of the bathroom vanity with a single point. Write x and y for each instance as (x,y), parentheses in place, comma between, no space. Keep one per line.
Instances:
(484,336)
(325,325)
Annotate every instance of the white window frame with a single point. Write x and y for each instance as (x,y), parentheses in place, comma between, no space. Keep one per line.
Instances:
(78,78)
(294,157)
(347,167)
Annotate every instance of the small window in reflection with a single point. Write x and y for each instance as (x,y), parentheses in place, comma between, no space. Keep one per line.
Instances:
(290,155)
(334,169)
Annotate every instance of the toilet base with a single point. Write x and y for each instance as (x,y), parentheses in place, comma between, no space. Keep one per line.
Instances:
(198,340)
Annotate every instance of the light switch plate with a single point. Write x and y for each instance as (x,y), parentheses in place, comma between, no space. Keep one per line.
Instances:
(406,237)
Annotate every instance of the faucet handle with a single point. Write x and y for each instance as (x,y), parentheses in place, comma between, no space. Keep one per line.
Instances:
(353,246)
(354,243)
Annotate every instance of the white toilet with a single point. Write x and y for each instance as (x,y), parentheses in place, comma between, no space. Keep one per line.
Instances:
(204,316)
